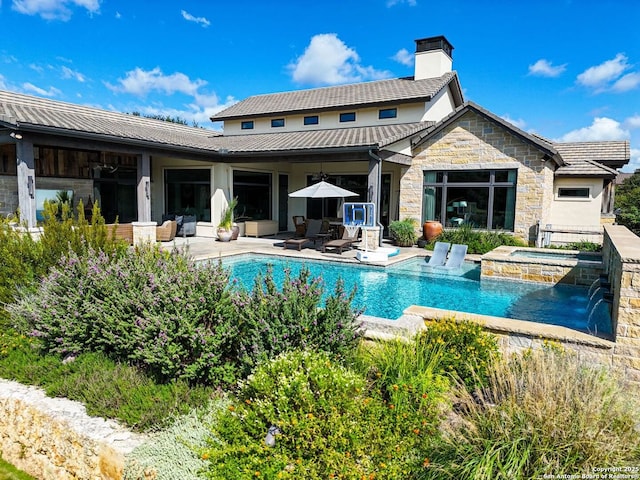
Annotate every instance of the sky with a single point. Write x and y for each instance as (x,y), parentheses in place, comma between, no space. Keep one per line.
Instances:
(568,70)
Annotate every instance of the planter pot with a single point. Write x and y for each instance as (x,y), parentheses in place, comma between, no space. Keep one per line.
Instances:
(224,235)
(431,229)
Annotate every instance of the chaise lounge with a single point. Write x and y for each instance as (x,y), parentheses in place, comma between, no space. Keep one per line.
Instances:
(456,257)
(312,235)
(439,255)
(345,242)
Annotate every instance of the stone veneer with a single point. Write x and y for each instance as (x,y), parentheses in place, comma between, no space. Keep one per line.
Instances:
(499,263)
(621,257)
(54,438)
(8,195)
(474,143)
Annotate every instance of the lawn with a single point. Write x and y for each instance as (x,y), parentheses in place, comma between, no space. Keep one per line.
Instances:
(9,472)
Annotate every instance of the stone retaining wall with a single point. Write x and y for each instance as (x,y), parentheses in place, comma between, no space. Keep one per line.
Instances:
(55,439)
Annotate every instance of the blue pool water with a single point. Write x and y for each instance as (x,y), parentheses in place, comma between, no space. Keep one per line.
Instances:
(386,292)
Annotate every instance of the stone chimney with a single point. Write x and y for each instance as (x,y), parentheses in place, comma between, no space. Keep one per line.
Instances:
(434,57)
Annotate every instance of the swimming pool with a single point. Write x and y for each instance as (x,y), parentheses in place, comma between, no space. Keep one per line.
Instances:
(386,292)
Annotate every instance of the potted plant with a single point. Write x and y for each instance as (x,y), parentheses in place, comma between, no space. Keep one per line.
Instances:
(403,232)
(225,227)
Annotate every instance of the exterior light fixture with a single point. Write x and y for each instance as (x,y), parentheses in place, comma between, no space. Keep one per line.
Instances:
(30,186)
(16,135)
(270,439)
(146,189)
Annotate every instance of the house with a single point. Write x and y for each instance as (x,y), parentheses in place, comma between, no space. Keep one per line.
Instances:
(413,146)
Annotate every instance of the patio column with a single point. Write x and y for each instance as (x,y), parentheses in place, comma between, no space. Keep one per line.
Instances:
(26,180)
(374,181)
(143,190)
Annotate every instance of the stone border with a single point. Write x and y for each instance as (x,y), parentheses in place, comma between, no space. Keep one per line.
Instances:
(54,438)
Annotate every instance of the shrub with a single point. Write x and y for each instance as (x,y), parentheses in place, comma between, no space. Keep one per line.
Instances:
(171,453)
(403,232)
(107,389)
(273,321)
(541,413)
(466,349)
(478,242)
(151,308)
(330,426)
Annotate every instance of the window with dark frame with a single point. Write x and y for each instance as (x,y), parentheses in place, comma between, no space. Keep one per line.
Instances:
(574,192)
(277,122)
(479,198)
(311,120)
(348,117)
(247,125)
(387,113)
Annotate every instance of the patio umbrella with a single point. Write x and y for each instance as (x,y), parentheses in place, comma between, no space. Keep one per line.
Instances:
(322,190)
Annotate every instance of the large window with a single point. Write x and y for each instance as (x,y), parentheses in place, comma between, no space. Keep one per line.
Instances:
(479,198)
(188,192)
(253,190)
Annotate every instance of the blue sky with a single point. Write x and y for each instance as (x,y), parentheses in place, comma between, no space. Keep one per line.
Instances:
(567,70)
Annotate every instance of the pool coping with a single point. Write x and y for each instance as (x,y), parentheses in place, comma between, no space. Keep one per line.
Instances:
(504,253)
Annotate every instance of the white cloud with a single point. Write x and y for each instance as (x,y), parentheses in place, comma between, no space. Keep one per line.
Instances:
(520,123)
(630,81)
(140,82)
(36,68)
(404,57)
(544,68)
(68,73)
(633,122)
(601,129)
(54,9)
(327,60)
(599,76)
(201,20)
(51,92)
(118,15)
(634,163)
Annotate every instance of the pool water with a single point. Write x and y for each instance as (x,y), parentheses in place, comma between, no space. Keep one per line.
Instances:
(387,291)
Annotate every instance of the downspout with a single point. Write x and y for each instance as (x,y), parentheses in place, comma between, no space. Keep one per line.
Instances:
(378,194)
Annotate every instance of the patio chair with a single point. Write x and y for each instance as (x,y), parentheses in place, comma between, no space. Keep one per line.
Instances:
(312,235)
(345,242)
(456,257)
(439,255)
(167,231)
(300,225)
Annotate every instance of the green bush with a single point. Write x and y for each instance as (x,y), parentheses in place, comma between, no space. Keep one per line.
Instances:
(153,309)
(543,413)
(107,388)
(467,351)
(477,241)
(273,321)
(330,423)
(403,232)
(26,260)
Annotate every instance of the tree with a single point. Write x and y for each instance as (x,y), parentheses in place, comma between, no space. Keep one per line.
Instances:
(627,203)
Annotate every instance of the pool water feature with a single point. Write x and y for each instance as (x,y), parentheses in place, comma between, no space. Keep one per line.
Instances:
(558,255)
(386,292)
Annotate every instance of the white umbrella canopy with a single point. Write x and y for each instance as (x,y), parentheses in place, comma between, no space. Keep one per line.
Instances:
(322,190)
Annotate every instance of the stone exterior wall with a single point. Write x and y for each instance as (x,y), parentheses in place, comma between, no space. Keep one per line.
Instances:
(473,143)
(621,256)
(8,195)
(54,438)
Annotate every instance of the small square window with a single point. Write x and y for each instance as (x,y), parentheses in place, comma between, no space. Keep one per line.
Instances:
(248,125)
(387,113)
(311,120)
(348,117)
(277,122)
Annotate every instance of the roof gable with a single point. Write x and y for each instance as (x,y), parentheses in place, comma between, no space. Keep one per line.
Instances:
(399,90)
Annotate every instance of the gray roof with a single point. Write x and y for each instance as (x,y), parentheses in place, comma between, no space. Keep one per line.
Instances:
(398,90)
(613,153)
(363,137)
(585,168)
(28,113)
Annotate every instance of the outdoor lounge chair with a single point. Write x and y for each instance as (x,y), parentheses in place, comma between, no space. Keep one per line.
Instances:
(341,243)
(439,255)
(312,235)
(456,257)
(300,225)
(167,231)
